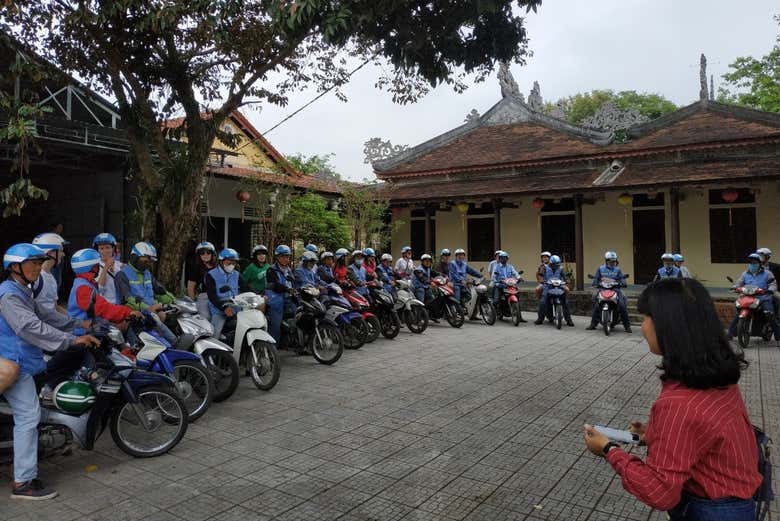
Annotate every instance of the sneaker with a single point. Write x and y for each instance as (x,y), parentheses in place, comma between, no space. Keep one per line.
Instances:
(628,329)
(591,327)
(570,323)
(33,490)
(539,321)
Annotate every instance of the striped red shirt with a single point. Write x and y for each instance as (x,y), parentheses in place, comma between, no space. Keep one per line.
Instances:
(699,441)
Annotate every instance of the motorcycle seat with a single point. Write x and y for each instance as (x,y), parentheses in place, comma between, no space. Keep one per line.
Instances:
(184,341)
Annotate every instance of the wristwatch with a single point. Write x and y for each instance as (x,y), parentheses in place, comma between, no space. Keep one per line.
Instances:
(608,447)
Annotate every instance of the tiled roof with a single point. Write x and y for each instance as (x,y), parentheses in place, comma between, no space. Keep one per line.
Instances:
(305,182)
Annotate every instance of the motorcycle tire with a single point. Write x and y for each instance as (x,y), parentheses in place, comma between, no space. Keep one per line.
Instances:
(224,373)
(197,401)
(454,314)
(558,316)
(606,321)
(262,361)
(416,319)
(327,343)
(514,309)
(743,332)
(175,412)
(354,333)
(391,325)
(766,332)
(488,312)
(374,329)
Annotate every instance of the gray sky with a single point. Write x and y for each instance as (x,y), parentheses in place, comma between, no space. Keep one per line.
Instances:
(643,45)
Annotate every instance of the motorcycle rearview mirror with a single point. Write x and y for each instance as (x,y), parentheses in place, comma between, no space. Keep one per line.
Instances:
(482,269)
(520,272)
(625,276)
(729,279)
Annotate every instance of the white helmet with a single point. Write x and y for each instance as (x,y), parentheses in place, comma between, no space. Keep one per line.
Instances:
(610,255)
(49,241)
(459,251)
(325,255)
(545,254)
(358,252)
(667,257)
(426,257)
(144,249)
(765,252)
(309,256)
(387,256)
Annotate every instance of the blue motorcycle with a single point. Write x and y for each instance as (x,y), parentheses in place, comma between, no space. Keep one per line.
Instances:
(556,289)
(351,324)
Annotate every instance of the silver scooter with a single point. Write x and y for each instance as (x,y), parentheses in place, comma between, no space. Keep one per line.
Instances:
(480,304)
(411,310)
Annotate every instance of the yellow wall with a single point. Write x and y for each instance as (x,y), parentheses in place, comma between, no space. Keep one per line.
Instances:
(606,225)
(401,235)
(521,236)
(250,154)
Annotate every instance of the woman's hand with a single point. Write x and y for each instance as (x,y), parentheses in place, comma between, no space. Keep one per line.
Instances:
(595,440)
(637,428)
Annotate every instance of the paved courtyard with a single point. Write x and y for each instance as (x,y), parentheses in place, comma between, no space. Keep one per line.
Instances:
(481,423)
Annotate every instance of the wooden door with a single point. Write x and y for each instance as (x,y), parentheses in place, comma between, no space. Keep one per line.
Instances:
(649,244)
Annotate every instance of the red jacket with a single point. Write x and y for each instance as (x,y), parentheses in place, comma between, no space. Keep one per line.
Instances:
(103,308)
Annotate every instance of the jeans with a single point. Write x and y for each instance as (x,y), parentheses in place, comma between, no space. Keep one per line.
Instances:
(498,287)
(769,307)
(622,308)
(728,509)
(202,302)
(22,396)
(544,310)
(461,290)
(218,321)
(166,333)
(275,314)
(421,294)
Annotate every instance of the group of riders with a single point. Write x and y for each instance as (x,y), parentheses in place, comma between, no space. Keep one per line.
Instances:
(33,322)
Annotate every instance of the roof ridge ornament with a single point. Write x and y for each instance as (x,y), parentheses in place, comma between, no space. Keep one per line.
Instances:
(535,101)
(509,88)
(703,91)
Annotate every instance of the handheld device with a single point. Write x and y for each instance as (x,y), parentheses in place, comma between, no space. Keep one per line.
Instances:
(618,435)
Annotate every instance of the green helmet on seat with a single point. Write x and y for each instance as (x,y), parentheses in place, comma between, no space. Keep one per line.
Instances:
(73,397)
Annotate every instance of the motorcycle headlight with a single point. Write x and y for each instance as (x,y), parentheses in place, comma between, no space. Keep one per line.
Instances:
(311,291)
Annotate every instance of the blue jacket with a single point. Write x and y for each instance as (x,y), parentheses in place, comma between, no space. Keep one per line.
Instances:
(612,273)
(386,274)
(325,274)
(279,279)
(305,277)
(143,291)
(764,279)
(504,271)
(550,273)
(421,278)
(73,309)
(358,274)
(459,270)
(223,279)
(671,273)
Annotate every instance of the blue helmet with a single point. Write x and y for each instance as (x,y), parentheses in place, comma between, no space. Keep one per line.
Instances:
(103,238)
(445,251)
(555,259)
(21,252)
(282,249)
(49,241)
(228,253)
(144,249)
(311,248)
(610,256)
(341,253)
(205,245)
(83,260)
(678,257)
(369,252)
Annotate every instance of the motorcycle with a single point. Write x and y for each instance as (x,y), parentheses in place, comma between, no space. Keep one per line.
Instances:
(193,378)
(754,320)
(508,302)
(253,345)
(479,304)
(443,303)
(142,409)
(217,355)
(608,302)
(351,324)
(384,309)
(312,329)
(556,289)
(361,305)
(413,312)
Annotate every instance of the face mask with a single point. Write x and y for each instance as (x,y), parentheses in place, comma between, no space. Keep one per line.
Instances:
(229,268)
(359,262)
(753,268)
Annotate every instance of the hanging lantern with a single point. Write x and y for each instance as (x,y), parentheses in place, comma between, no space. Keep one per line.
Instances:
(729,195)
(243,196)
(625,199)
(538,204)
(463,208)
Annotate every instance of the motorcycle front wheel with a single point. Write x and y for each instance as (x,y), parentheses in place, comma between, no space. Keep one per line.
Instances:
(354,333)
(374,328)
(416,319)
(454,314)
(514,309)
(558,316)
(327,343)
(195,386)
(391,324)
(224,373)
(606,321)
(162,428)
(263,365)
(488,312)
(743,331)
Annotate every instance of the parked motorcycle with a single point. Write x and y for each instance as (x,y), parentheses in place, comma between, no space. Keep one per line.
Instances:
(384,309)
(142,409)
(217,355)
(509,302)
(312,329)
(443,303)
(754,319)
(479,305)
(556,289)
(362,305)
(253,345)
(607,299)
(351,324)
(411,310)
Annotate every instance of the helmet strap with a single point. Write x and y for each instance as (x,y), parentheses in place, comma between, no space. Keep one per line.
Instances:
(20,274)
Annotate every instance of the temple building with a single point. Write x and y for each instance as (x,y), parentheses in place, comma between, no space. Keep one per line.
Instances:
(703,181)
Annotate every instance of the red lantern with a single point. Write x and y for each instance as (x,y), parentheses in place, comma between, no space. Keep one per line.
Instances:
(538,203)
(243,196)
(397,210)
(729,195)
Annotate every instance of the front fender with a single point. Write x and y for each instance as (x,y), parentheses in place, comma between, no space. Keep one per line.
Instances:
(165,361)
(204,344)
(412,302)
(140,379)
(262,335)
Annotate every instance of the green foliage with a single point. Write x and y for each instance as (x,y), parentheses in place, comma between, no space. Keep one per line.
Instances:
(754,82)
(365,212)
(579,107)
(315,165)
(308,219)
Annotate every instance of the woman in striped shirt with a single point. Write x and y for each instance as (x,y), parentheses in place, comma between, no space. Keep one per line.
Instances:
(702,461)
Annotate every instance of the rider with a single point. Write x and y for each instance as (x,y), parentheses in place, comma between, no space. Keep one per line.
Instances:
(138,289)
(325,269)
(279,289)
(404,266)
(222,284)
(668,270)
(757,275)
(678,261)
(46,290)
(421,281)
(458,270)
(492,265)
(306,273)
(105,244)
(610,270)
(254,274)
(553,270)
(26,330)
(370,263)
(356,273)
(195,275)
(444,261)
(340,268)
(766,256)
(502,270)
(541,273)
(386,273)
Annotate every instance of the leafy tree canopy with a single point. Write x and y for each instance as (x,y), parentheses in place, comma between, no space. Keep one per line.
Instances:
(308,219)
(318,165)
(581,106)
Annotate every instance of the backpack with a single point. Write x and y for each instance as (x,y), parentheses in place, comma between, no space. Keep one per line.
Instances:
(764,494)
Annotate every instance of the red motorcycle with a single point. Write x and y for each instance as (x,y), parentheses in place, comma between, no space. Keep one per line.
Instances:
(509,302)
(754,320)
(361,305)
(608,302)
(443,304)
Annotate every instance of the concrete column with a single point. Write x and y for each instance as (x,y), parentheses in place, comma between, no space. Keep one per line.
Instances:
(496,224)
(578,246)
(674,217)
(428,232)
